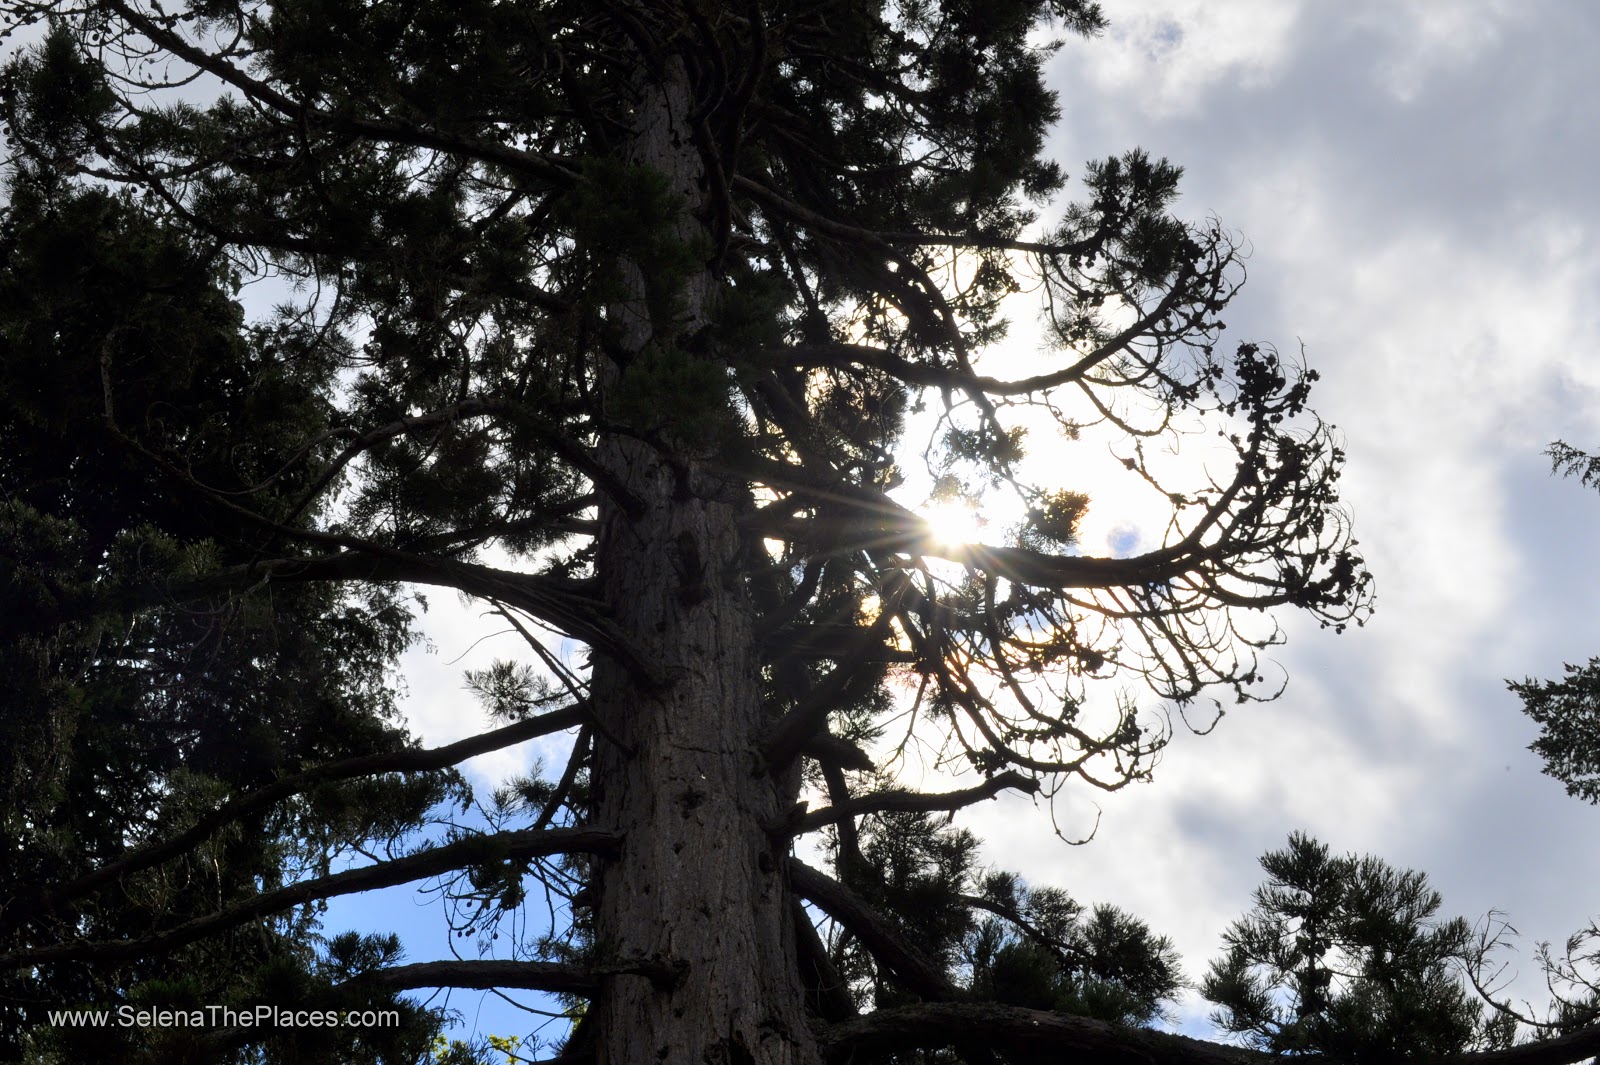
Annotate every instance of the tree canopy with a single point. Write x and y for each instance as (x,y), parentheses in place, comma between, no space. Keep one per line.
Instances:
(626,321)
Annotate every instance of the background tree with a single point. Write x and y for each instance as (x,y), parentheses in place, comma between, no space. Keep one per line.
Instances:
(123,727)
(1344,956)
(615,320)
(1568,710)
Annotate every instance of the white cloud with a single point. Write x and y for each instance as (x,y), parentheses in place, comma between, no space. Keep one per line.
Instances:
(1167,54)
(1424,38)
(438,706)
(1441,360)
(1441,271)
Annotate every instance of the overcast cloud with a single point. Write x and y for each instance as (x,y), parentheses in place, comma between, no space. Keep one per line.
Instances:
(1415,182)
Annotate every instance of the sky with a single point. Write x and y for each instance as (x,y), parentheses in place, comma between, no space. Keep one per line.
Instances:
(1413,181)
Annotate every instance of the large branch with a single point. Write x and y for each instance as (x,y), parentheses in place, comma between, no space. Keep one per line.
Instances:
(580,617)
(486,975)
(886,943)
(1051,1036)
(430,862)
(871,518)
(817,972)
(557,602)
(1584,1043)
(809,716)
(406,761)
(1057,1036)
(913,801)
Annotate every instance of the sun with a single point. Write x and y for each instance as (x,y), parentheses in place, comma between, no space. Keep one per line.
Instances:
(953,523)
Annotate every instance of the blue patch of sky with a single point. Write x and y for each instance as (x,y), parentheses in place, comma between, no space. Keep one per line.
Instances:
(1122,541)
(420,915)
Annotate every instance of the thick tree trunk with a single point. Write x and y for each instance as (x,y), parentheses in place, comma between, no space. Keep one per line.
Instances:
(675,771)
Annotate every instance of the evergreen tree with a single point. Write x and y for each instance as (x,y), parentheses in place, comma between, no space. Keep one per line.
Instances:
(1568,710)
(1344,957)
(123,728)
(614,318)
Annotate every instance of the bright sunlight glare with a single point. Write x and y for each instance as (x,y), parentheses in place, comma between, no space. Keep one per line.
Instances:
(954,523)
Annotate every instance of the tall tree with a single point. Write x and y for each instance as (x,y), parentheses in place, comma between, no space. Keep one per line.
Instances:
(614,318)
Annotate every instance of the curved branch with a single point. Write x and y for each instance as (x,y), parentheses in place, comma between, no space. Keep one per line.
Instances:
(810,716)
(817,971)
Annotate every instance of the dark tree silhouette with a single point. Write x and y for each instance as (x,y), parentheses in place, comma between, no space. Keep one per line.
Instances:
(615,319)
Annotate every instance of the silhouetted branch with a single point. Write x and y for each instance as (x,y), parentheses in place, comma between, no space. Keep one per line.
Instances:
(886,943)
(817,971)
(1015,1029)
(430,862)
(810,715)
(912,801)
(408,761)
(488,974)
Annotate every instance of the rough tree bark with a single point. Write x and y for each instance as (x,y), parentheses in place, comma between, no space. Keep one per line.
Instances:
(698,883)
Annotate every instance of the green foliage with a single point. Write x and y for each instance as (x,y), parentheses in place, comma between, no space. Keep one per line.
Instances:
(1030,947)
(991,453)
(1567,711)
(1053,521)
(630,214)
(510,691)
(1569,461)
(1568,714)
(669,390)
(139,697)
(1344,956)
(54,96)
(1047,952)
